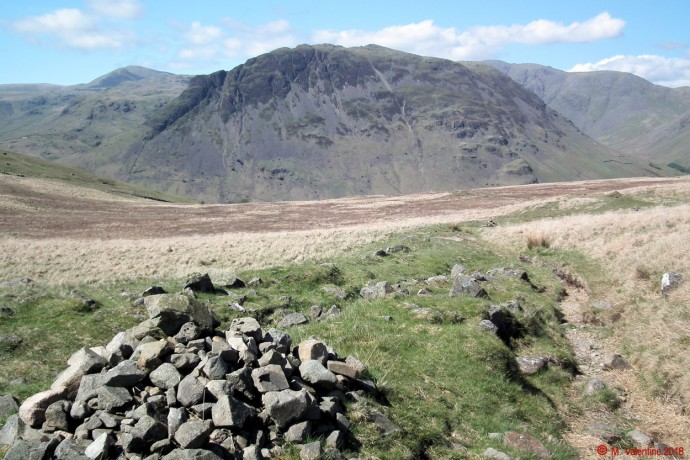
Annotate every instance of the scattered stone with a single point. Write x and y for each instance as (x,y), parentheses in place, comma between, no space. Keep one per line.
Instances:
(153,290)
(525,442)
(10,342)
(488,326)
(383,423)
(6,312)
(457,270)
(200,283)
(254,282)
(468,286)
(670,281)
(231,281)
(491,452)
(502,273)
(340,368)
(380,253)
(332,312)
(615,361)
(336,292)
(594,386)
(376,290)
(397,248)
(490,223)
(437,279)
(530,365)
(292,319)
(601,305)
(639,438)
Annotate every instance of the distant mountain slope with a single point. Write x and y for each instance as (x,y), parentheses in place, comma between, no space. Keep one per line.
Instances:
(60,122)
(14,164)
(618,109)
(324,121)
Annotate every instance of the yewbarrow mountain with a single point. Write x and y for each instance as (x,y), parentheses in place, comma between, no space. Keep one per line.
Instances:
(620,110)
(311,122)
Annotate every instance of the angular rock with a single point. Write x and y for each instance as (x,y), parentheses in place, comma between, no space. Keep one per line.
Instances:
(112,398)
(530,365)
(335,439)
(311,451)
(313,349)
(601,305)
(383,423)
(124,374)
(231,281)
(6,312)
(269,378)
(190,391)
(184,362)
(193,434)
(336,292)
(639,438)
(176,417)
(215,368)
(219,388)
(153,290)
(457,270)
(332,312)
(191,454)
(594,386)
(488,326)
(151,354)
(526,442)
(670,281)
(9,433)
(376,290)
(82,362)
(467,286)
(292,319)
(437,279)
(615,361)
(56,415)
(397,248)
(298,433)
(501,273)
(99,448)
(230,412)
(33,409)
(496,454)
(189,331)
(287,406)
(150,430)
(247,326)
(242,383)
(338,367)
(170,311)
(165,376)
(200,283)
(313,372)
(8,405)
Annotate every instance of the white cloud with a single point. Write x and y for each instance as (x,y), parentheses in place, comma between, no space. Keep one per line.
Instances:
(201,35)
(73,28)
(479,42)
(121,9)
(666,71)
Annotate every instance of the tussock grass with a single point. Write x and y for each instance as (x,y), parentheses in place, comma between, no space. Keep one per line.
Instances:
(633,249)
(538,241)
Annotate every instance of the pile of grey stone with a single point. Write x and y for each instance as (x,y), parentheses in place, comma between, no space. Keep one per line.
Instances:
(175,387)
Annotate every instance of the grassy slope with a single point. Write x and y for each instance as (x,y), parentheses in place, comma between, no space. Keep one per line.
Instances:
(17,164)
(446,380)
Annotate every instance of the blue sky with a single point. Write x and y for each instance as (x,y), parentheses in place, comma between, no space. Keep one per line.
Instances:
(76,41)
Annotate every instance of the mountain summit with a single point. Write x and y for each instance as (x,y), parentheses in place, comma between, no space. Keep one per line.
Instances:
(325,121)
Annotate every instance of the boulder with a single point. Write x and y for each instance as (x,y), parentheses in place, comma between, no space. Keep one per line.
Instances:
(200,283)
(292,319)
(33,409)
(193,434)
(170,311)
(287,406)
(84,361)
(376,290)
(530,365)
(526,442)
(467,286)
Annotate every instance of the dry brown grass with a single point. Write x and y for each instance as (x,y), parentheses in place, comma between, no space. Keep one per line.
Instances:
(538,241)
(635,248)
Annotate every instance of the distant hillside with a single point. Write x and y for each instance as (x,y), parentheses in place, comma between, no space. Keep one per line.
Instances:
(618,109)
(14,164)
(324,121)
(61,122)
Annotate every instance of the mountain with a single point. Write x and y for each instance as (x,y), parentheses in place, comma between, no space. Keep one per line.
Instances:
(61,122)
(618,109)
(324,121)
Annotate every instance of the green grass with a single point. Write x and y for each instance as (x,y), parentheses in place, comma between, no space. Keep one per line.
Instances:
(446,380)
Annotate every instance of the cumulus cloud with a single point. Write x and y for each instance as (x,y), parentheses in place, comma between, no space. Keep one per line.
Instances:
(666,71)
(71,27)
(121,9)
(479,42)
(210,45)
